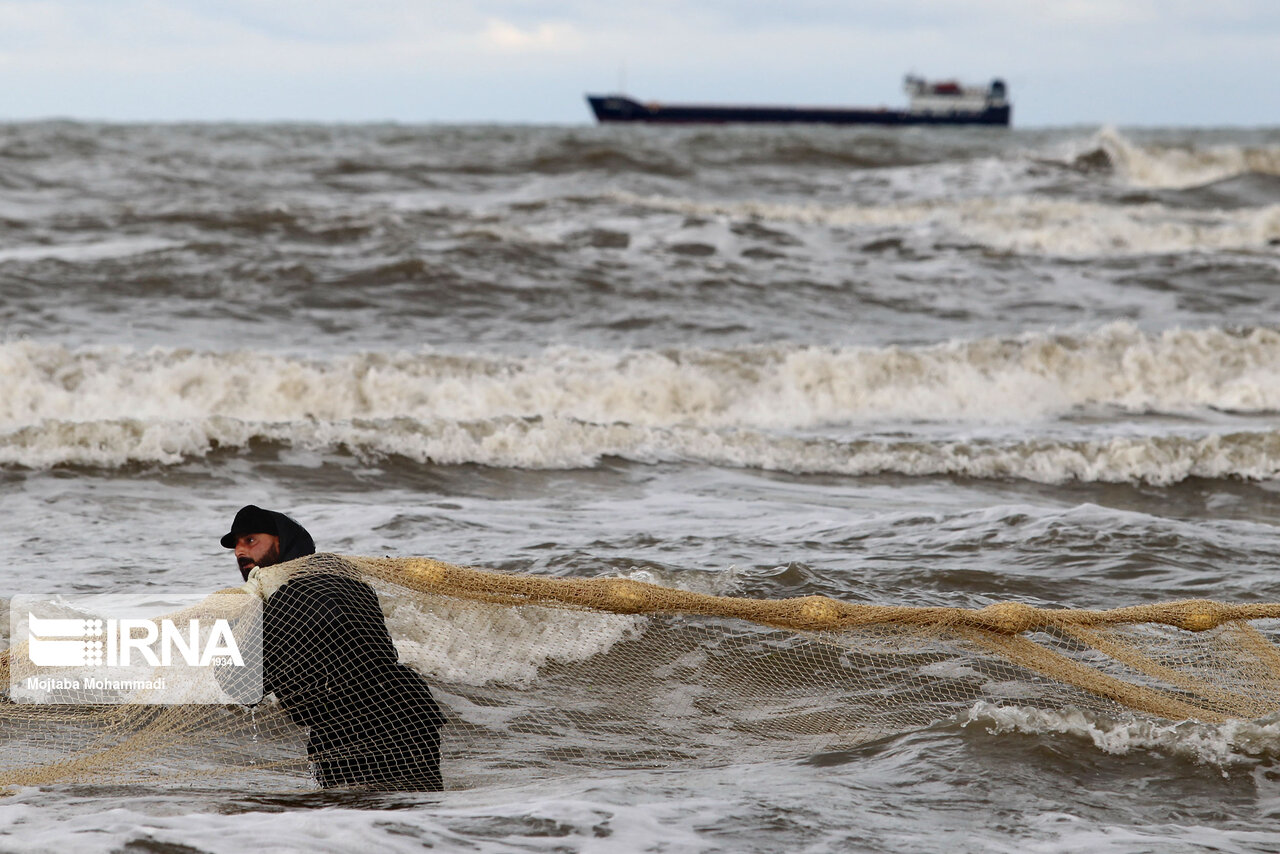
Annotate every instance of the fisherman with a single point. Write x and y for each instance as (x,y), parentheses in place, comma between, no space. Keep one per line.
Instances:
(330,661)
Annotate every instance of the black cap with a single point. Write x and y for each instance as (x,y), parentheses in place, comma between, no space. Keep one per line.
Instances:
(250,520)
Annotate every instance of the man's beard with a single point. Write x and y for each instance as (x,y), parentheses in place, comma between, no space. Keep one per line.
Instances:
(271,557)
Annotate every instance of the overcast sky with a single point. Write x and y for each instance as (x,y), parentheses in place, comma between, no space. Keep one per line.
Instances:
(1123,62)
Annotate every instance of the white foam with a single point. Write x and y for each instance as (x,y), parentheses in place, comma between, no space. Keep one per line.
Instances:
(1176,167)
(555,443)
(553,816)
(568,408)
(1032,376)
(1054,832)
(1233,742)
(472,643)
(952,179)
(96,251)
(1020,224)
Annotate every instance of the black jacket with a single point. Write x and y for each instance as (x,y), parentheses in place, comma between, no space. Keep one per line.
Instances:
(330,661)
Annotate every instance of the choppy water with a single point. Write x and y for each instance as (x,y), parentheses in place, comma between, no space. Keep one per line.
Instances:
(908,367)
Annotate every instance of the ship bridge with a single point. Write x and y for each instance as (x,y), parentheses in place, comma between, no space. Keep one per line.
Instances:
(944,97)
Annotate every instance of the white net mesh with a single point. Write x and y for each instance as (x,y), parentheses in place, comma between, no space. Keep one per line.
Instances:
(414,674)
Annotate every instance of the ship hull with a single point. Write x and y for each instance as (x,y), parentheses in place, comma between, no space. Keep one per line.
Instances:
(615,109)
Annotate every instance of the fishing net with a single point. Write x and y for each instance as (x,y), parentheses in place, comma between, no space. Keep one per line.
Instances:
(454,677)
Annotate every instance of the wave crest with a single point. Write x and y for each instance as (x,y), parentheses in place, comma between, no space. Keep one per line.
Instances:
(1020,224)
(783,407)
(1168,167)
(1028,377)
(554,443)
(1234,742)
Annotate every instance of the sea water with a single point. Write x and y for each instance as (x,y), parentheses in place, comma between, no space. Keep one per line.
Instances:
(908,366)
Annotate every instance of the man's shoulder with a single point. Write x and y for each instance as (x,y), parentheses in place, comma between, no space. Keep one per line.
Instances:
(330,575)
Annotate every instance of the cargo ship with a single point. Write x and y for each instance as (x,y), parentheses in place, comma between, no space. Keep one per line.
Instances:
(943,102)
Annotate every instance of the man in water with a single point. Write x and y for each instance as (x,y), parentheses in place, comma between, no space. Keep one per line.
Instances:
(330,661)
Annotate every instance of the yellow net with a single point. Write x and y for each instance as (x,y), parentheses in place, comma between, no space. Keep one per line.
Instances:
(413,673)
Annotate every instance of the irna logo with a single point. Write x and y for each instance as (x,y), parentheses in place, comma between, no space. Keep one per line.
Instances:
(155,647)
(91,643)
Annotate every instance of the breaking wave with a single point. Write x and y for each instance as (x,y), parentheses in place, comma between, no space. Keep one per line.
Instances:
(1033,225)
(468,643)
(555,443)
(1235,742)
(785,386)
(852,410)
(1170,167)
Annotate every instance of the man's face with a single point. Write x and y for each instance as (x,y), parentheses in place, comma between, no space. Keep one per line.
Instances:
(256,550)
